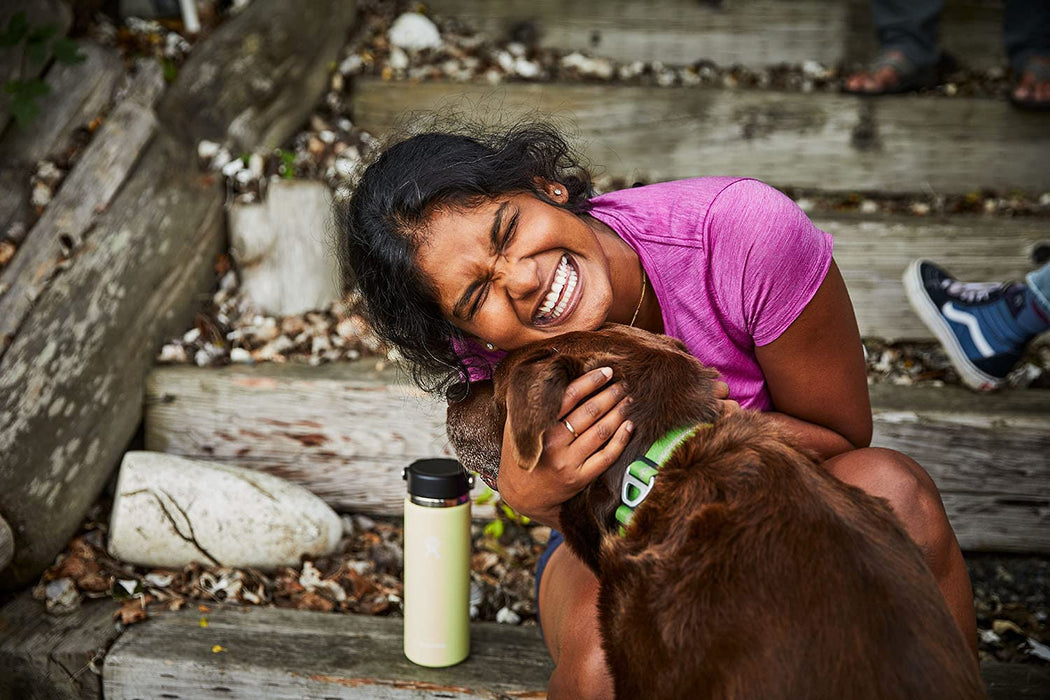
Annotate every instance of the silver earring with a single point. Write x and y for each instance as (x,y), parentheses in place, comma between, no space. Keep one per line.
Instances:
(490,346)
(557,192)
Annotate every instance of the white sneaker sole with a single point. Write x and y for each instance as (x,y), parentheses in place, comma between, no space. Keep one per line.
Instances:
(929,314)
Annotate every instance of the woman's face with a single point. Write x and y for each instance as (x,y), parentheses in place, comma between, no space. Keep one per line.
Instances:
(517,269)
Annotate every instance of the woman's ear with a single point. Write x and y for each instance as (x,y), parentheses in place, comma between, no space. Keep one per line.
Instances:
(555,191)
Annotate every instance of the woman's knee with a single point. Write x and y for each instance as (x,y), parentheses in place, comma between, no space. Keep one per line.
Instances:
(906,486)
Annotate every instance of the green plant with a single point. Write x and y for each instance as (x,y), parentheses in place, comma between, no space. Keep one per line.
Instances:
(504,514)
(38,43)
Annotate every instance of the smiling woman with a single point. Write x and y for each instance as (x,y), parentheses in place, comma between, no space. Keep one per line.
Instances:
(464,246)
(443,198)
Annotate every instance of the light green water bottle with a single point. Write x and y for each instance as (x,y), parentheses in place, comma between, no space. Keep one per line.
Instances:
(437,562)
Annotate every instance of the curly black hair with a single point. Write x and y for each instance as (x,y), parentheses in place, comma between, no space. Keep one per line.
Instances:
(381,226)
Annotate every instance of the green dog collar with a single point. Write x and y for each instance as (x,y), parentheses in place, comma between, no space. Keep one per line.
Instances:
(640,477)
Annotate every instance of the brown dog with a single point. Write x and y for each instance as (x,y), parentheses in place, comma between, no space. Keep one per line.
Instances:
(748,571)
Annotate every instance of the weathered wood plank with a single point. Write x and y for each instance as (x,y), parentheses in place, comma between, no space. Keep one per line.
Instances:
(78,94)
(989,456)
(907,144)
(88,191)
(279,653)
(257,79)
(71,382)
(48,657)
(873,253)
(753,34)
(345,432)
(1016,681)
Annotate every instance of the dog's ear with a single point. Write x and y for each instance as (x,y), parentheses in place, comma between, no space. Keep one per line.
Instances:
(534,394)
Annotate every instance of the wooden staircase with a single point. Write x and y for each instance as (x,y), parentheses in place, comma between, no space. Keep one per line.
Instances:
(345,431)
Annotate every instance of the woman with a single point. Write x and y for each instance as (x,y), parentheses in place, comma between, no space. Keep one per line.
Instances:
(465,246)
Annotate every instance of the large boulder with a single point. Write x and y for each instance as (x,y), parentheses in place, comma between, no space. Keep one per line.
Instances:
(170,511)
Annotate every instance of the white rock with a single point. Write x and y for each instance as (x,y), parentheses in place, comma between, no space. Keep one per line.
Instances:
(414,32)
(1040,651)
(869,206)
(351,65)
(172,353)
(240,355)
(812,69)
(526,68)
(41,195)
(170,511)
(206,150)
(398,59)
(232,168)
(255,165)
(1044,199)
(506,616)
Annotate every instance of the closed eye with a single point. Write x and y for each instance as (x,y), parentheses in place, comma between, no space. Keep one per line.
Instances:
(475,294)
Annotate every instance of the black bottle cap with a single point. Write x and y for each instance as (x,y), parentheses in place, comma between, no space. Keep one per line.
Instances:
(437,478)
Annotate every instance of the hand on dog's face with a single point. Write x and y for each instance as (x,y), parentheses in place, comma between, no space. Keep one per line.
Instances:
(670,389)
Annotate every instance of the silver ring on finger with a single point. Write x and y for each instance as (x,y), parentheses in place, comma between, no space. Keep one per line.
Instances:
(568,426)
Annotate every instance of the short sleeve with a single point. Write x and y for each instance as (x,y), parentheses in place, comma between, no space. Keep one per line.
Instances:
(766,258)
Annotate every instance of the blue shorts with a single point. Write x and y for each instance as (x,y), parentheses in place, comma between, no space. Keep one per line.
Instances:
(553,543)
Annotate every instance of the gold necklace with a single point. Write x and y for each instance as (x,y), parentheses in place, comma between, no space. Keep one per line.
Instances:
(645,283)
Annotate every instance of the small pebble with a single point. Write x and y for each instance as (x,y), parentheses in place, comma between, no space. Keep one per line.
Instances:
(506,616)
(414,32)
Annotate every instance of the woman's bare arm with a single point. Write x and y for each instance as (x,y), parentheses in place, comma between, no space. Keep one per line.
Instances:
(816,374)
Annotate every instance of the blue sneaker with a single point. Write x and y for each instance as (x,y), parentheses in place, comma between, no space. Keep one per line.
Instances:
(975,322)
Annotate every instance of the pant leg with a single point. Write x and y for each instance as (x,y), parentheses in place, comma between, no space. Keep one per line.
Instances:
(1039,284)
(911,27)
(1026,30)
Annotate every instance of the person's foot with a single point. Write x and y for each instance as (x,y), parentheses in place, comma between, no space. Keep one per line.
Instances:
(1033,89)
(892,72)
(975,322)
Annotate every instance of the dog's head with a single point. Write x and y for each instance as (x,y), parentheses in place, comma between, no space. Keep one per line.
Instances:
(669,386)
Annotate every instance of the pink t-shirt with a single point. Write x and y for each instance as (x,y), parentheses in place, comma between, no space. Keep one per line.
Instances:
(732,261)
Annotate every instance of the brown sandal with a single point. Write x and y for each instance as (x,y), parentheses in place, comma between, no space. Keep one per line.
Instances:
(909,76)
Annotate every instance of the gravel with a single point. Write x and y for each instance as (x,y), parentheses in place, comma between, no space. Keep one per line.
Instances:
(364,576)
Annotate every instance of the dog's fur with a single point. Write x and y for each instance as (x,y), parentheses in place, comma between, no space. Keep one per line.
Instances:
(749,571)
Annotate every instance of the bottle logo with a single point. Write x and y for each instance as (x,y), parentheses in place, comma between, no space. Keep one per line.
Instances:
(432,545)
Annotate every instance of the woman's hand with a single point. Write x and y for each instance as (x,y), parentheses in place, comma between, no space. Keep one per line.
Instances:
(570,460)
(722,394)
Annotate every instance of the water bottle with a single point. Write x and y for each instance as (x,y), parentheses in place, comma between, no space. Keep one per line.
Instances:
(437,562)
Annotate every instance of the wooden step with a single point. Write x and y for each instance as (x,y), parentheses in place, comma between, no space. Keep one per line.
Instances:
(276,653)
(53,657)
(345,431)
(280,653)
(752,33)
(283,653)
(873,251)
(818,140)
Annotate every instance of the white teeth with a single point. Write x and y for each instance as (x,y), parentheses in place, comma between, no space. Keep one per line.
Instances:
(564,280)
